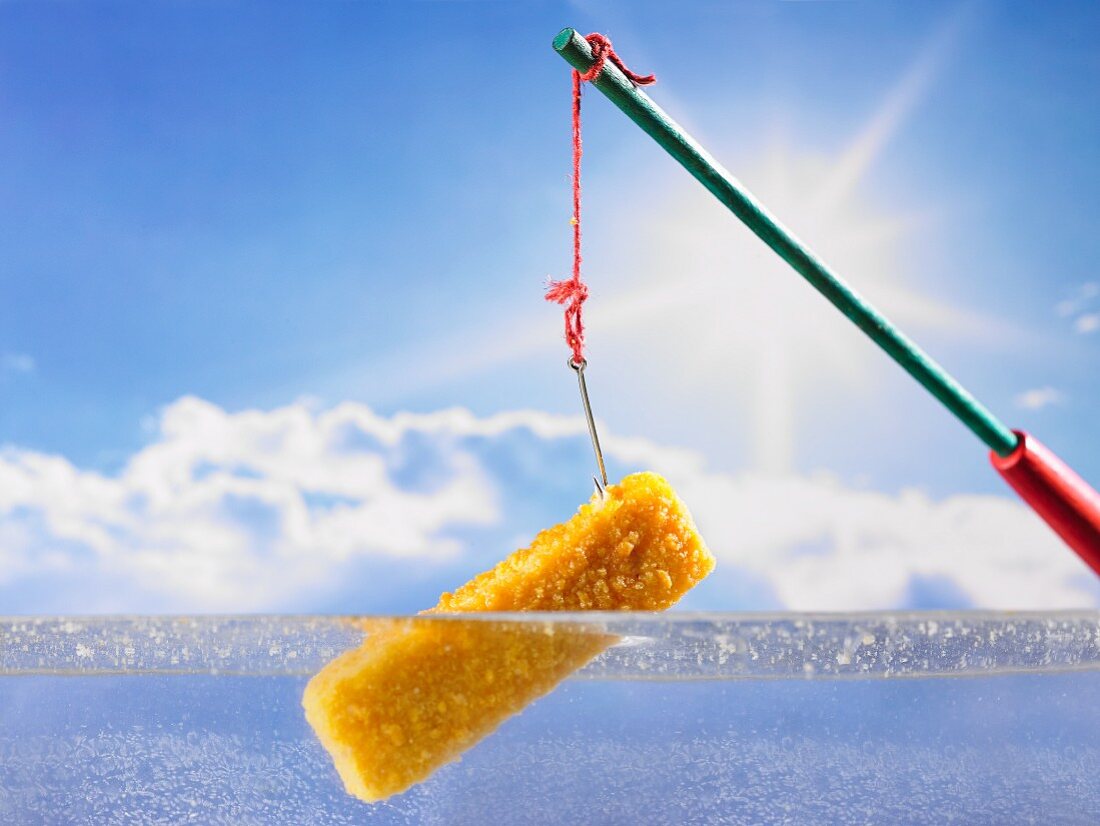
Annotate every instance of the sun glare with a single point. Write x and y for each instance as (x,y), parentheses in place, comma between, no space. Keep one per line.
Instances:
(707,284)
(698,300)
(749,333)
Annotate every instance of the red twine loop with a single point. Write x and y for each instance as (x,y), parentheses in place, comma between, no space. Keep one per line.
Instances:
(602,52)
(573,292)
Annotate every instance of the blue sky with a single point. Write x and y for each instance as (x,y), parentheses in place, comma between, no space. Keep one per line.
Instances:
(286,207)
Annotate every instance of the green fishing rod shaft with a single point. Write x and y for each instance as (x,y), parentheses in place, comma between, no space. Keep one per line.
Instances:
(696,160)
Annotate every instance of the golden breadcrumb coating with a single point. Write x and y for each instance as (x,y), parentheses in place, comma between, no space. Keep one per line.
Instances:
(419,692)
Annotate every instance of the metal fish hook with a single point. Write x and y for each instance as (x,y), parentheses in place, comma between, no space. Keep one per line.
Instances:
(601,482)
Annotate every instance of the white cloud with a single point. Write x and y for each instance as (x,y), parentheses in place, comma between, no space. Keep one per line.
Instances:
(1087,323)
(239,511)
(1065,308)
(1039,397)
(16,363)
(825,546)
(261,509)
(1079,304)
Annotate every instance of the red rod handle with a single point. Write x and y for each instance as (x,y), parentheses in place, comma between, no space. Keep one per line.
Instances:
(1066,501)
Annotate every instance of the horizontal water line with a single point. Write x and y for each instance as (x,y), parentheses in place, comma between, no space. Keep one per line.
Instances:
(673,646)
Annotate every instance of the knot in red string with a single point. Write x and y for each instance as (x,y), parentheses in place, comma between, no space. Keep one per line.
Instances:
(601,53)
(572,292)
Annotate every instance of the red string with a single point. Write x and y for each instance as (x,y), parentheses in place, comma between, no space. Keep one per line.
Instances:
(573,292)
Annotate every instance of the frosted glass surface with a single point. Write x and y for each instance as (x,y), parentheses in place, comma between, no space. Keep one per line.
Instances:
(870,718)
